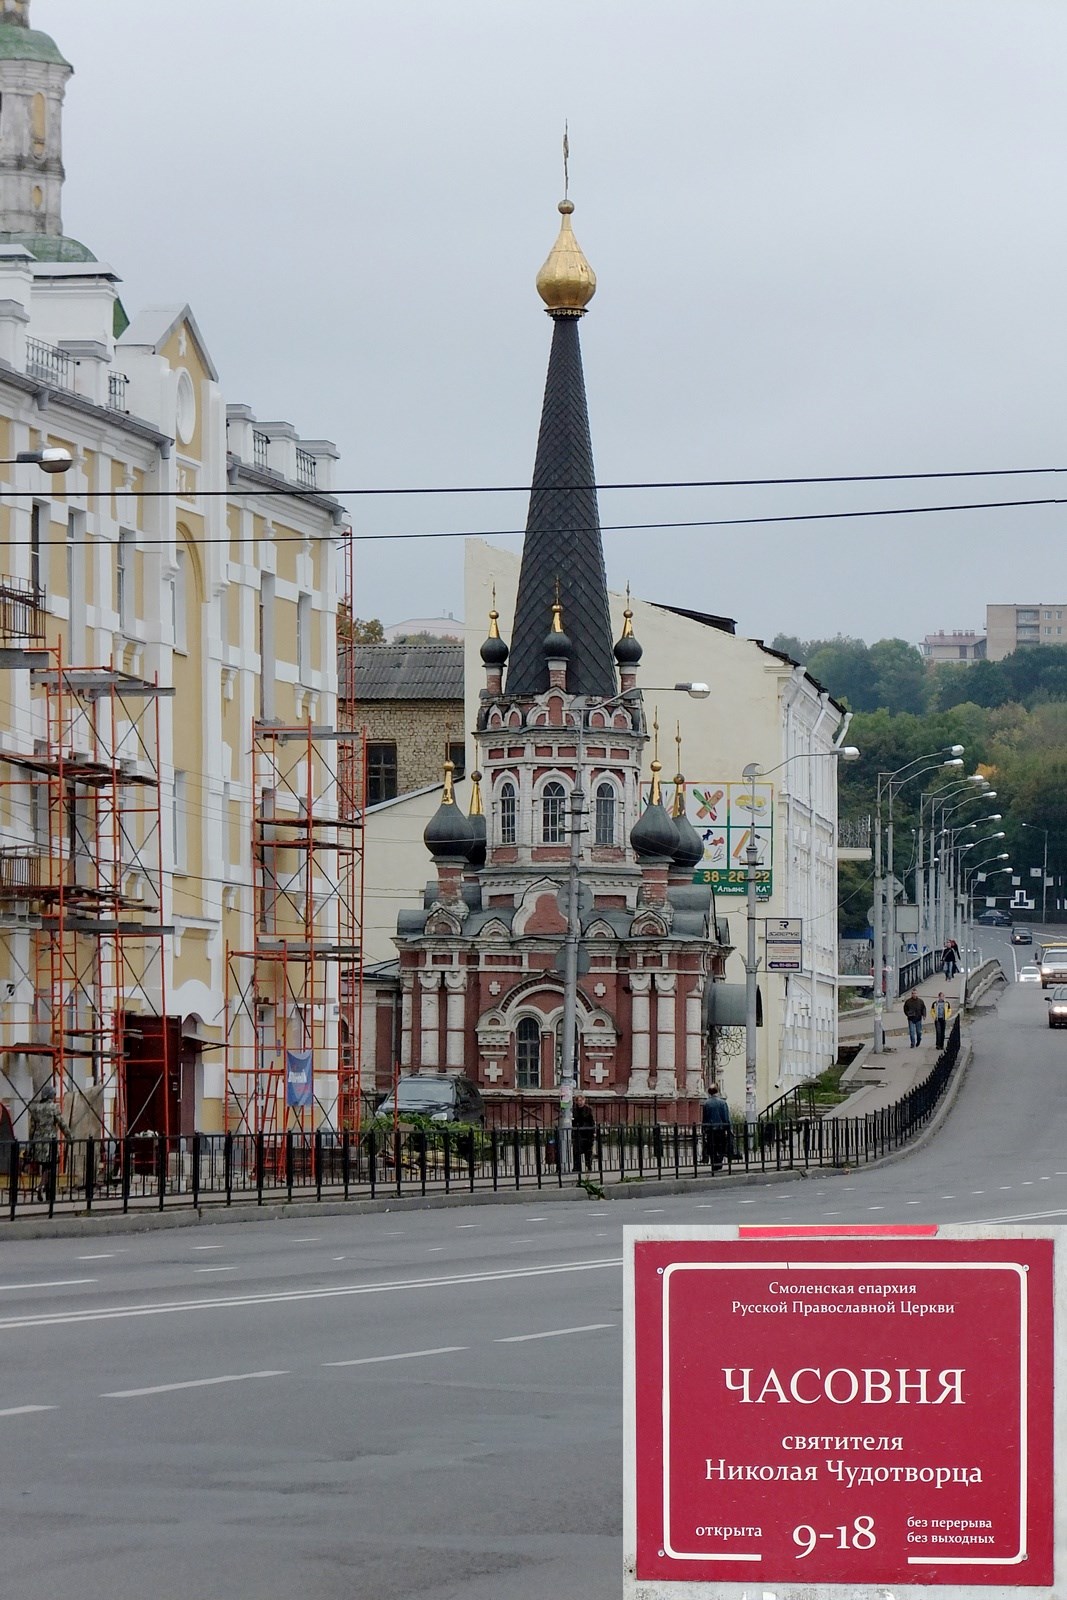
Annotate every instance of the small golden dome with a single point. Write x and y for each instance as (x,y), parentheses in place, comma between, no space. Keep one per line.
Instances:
(566,282)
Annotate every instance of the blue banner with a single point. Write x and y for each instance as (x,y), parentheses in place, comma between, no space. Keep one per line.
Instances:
(299,1079)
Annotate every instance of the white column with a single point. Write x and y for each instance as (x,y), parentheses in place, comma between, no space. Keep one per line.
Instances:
(694,1042)
(405,1022)
(640,985)
(430,1019)
(666,1046)
(455,1014)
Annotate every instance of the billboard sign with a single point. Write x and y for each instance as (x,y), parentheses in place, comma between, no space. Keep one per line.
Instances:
(727,816)
(784,940)
(809,1409)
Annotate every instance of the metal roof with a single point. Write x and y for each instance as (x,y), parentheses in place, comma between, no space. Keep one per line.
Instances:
(407,671)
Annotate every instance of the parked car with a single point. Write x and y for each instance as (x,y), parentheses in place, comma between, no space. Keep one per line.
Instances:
(1030,974)
(1021,936)
(435,1095)
(1057,1007)
(1053,966)
(995,919)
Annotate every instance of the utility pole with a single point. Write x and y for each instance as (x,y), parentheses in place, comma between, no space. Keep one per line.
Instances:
(568,1064)
(751,966)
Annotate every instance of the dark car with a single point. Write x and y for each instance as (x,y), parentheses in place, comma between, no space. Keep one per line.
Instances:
(437,1095)
(1022,936)
(1057,1008)
(994,919)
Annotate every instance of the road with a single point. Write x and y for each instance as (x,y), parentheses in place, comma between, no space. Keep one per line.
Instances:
(416,1406)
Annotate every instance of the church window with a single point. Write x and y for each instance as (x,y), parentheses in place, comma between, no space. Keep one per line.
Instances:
(553,813)
(528,1054)
(508,818)
(605,814)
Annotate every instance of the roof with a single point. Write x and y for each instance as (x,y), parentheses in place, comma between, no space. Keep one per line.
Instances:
(52,247)
(723,624)
(28,44)
(153,326)
(408,671)
(562,543)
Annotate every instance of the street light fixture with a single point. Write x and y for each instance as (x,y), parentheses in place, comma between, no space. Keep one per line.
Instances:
(1034,828)
(53,460)
(568,1060)
(844,752)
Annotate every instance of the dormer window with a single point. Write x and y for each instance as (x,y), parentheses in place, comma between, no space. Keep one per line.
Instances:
(553,814)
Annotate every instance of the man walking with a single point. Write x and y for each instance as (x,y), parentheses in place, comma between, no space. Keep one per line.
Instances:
(715,1120)
(940,1011)
(915,1011)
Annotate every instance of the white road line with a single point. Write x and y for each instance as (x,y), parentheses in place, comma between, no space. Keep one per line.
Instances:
(193,1383)
(207,1247)
(466,1224)
(553,1333)
(107,1256)
(51,1283)
(313,1240)
(651,1210)
(338,1258)
(430,1248)
(346,1291)
(231,1268)
(402,1355)
(24,1411)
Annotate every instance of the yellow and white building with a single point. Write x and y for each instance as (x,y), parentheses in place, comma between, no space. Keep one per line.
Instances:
(167,765)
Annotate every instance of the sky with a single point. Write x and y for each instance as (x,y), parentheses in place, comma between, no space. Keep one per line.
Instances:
(829,238)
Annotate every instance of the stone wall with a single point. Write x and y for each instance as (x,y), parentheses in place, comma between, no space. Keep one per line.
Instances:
(421,730)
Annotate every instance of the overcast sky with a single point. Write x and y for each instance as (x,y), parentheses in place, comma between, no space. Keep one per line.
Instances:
(829,237)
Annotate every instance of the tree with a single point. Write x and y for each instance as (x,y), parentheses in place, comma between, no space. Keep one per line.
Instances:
(790,645)
(900,676)
(356,630)
(844,666)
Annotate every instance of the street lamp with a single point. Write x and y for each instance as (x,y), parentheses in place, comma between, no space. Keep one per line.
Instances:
(971,877)
(1044,865)
(888,783)
(846,752)
(973,787)
(568,1061)
(53,460)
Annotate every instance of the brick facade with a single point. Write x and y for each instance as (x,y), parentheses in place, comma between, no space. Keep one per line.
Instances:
(420,729)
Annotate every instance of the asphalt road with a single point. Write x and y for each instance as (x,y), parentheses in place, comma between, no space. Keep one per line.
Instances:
(417,1406)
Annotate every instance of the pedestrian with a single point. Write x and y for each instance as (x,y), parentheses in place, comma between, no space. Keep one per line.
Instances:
(584,1125)
(715,1125)
(46,1125)
(940,1011)
(950,958)
(915,1011)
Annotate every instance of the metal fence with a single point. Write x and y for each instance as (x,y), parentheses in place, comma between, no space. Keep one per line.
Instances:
(203,1170)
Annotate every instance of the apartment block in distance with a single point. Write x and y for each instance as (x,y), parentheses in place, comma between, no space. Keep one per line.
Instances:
(1010,627)
(959,645)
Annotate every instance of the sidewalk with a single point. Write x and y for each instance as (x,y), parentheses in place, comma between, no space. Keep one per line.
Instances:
(880,1081)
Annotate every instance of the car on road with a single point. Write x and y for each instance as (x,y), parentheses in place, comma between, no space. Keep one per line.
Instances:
(994,919)
(441,1097)
(1053,966)
(1030,974)
(1057,1007)
(1021,936)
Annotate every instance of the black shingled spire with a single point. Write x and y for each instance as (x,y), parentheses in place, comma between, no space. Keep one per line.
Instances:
(563,539)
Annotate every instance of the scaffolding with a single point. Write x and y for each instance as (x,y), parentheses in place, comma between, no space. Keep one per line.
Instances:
(294,995)
(81,885)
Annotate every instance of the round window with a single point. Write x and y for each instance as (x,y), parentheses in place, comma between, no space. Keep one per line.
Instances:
(185,418)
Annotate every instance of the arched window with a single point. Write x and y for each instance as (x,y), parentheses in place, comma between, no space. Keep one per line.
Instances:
(605,814)
(508,814)
(553,813)
(528,1054)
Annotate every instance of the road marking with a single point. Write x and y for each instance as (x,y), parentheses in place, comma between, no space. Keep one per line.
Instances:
(338,1258)
(876,1208)
(1027,1183)
(914,1202)
(107,1256)
(346,1291)
(232,1268)
(193,1383)
(466,1224)
(430,1248)
(24,1411)
(537,1219)
(746,1202)
(553,1333)
(51,1283)
(207,1247)
(402,1355)
(313,1240)
(975,1192)
(650,1211)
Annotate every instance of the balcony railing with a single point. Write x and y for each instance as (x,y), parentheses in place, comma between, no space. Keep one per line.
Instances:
(116,391)
(50,364)
(22,615)
(261,449)
(306,467)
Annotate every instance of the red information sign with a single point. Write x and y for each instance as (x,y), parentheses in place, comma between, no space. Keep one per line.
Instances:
(809,1410)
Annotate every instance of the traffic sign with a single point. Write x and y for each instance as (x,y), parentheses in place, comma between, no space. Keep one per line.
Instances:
(809,1408)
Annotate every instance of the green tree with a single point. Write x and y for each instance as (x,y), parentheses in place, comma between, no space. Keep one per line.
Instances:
(844,667)
(901,682)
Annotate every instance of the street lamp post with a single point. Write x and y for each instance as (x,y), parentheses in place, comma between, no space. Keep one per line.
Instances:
(1044,867)
(568,1057)
(753,771)
(53,460)
(970,878)
(926,878)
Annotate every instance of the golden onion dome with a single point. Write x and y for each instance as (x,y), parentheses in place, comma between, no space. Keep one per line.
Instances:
(566,282)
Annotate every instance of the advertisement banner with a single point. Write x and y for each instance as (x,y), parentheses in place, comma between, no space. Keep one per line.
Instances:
(299,1079)
(873,1407)
(727,816)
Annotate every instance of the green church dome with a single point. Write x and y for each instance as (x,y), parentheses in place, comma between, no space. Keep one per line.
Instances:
(28,44)
(49,247)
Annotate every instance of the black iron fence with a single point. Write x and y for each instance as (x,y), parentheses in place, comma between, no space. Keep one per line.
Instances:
(202,1170)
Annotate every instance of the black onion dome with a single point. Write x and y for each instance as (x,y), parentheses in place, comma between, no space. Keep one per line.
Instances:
(557,644)
(653,835)
(627,650)
(476,818)
(448,835)
(494,651)
(689,852)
